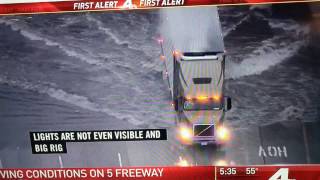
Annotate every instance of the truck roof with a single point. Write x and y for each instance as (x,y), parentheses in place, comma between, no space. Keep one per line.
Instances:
(195,29)
(202,78)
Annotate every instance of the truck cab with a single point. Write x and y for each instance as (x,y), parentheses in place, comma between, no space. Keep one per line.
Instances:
(198,97)
(193,53)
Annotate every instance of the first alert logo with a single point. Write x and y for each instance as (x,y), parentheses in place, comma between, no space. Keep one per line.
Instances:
(157,3)
(95,5)
(127,4)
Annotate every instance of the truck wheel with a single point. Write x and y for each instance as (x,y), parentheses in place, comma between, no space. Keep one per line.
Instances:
(220,147)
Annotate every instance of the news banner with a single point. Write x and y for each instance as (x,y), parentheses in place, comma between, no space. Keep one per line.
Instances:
(8,7)
(48,143)
(295,172)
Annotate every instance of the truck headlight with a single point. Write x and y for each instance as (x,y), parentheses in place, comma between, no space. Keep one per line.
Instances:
(223,134)
(185,134)
(221,163)
(183,162)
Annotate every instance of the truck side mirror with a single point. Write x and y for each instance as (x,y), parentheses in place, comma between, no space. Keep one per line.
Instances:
(227,103)
(176,104)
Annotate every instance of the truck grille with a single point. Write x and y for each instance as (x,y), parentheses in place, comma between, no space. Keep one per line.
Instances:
(203,130)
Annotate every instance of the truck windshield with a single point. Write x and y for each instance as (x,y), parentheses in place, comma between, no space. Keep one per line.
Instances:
(202,105)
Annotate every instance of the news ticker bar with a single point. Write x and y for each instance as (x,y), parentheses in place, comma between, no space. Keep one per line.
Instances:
(34,6)
(301,172)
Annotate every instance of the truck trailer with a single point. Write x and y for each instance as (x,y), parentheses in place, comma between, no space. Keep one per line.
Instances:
(193,54)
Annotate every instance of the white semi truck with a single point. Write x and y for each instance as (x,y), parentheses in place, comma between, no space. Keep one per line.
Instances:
(193,53)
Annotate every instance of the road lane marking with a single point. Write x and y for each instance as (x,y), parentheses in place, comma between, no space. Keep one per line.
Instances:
(119,158)
(60,162)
